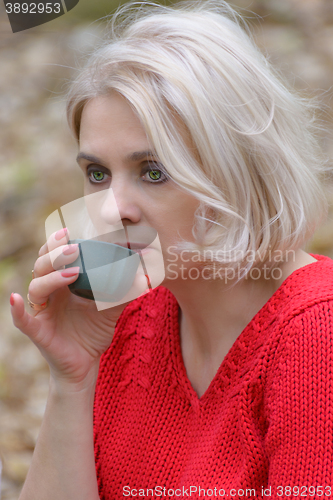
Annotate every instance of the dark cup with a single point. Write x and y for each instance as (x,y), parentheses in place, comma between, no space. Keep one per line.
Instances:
(107,271)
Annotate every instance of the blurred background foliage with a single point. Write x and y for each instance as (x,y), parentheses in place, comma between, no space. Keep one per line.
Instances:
(38,172)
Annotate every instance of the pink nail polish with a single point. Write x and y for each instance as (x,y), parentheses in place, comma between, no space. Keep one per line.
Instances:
(61,233)
(70,249)
(11,300)
(70,272)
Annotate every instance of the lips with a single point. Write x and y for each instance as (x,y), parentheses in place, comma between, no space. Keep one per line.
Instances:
(133,245)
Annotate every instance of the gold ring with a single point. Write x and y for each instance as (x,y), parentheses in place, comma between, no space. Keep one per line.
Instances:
(37,307)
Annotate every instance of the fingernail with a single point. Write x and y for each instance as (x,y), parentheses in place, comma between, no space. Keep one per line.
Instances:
(70,249)
(11,300)
(70,272)
(61,233)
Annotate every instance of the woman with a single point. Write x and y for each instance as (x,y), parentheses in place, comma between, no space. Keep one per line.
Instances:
(219,382)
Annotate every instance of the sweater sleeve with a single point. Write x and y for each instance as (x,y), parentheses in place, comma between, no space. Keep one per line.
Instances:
(299,439)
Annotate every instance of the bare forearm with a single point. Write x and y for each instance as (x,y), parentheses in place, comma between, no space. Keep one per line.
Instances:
(63,464)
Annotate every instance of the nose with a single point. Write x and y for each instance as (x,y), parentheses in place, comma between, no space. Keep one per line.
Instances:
(120,205)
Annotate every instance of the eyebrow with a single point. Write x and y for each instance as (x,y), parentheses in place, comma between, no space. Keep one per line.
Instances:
(135,156)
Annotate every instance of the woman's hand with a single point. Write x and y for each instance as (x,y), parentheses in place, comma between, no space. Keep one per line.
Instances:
(70,333)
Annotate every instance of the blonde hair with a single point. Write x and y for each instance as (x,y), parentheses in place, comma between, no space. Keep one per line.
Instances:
(255,161)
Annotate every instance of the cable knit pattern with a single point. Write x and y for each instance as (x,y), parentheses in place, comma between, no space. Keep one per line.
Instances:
(265,420)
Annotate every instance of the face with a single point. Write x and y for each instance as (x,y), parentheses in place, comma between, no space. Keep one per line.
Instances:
(115,153)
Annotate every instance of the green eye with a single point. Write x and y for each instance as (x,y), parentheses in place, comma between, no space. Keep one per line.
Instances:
(98,176)
(155,175)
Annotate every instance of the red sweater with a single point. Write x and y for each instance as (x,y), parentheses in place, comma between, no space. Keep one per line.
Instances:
(264,422)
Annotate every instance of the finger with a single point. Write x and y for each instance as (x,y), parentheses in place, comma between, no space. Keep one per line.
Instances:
(41,288)
(56,259)
(61,237)
(29,325)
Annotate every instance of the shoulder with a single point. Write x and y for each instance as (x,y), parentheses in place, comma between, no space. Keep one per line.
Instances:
(294,331)
(303,302)
(300,348)
(303,340)
(310,289)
